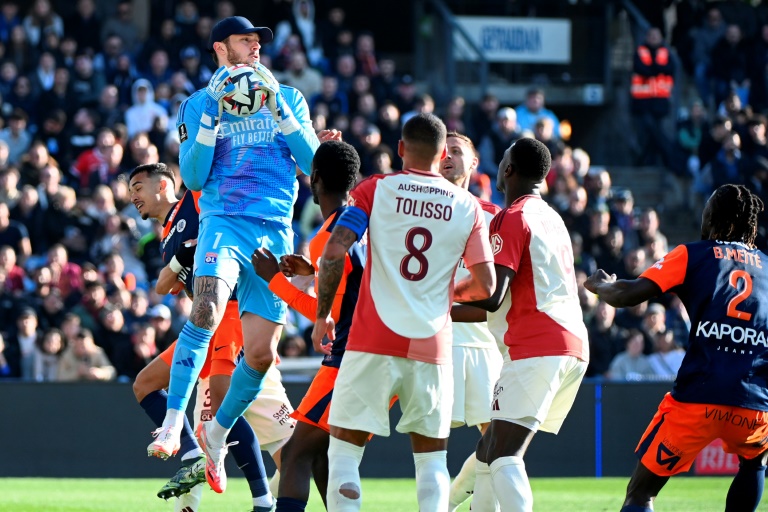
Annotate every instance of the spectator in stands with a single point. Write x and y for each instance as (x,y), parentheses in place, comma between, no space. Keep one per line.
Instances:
(389,125)
(649,234)
(96,166)
(84,26)
(575,217)
(704,40)
(454,115)
(381,160)
(582,261)
(141,116)
(653,70)
(14,234)
(611,256)
(51,310)
(83,360)
(406,94)
(41,20)
(47,356)
(160,318)
(758,92)
(492,147)
(635,263)
(193,69)
(334,100)
(23,341)
(730,65)
(728,166)
(299,75)
(654,322)
(631,364)
(599,222)
(384,85)
(9,180)
(65,275)
(292,346)
(93,301)
(605,340)
(86,81)
(667,355)
(132,358)
(123,26)
(329,30)
(690,132)
(19,51)
(9,18)
(13,274)
(29,213)
(365,55)
(8,361)
(532,110)
(483,117)
(137,311)
(16,135)
(42,77)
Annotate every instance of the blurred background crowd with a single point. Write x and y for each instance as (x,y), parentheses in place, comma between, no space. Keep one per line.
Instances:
(86,95)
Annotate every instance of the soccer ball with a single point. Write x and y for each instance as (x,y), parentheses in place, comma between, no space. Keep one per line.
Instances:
(247,98)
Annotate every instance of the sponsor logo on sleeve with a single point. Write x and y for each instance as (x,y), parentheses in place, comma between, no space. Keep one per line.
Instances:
(183,134)
(496,243)
(181,225)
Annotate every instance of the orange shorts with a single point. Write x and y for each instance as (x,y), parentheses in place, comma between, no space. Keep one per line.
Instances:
(316,404)
(679,431)
(224,347)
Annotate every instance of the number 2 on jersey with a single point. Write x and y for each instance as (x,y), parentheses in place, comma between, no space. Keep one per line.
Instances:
(416,253)
(733,280)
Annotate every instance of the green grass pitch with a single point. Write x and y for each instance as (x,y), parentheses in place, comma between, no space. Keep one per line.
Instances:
(550,494)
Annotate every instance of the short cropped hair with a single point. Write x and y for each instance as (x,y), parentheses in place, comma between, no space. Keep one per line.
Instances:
(337,164)
(154,171)
(530,158)
(463,137)
(427,131)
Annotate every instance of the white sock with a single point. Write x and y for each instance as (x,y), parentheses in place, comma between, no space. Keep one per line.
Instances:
(174,418)
(189,502)
(191,454)
(461,488)
(263,501)
(483,498)
(433,483)
(511,485)
(344,476)
(217,434)
(274,483)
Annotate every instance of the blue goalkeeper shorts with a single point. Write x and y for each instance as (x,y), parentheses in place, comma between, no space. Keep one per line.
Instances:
(224,248)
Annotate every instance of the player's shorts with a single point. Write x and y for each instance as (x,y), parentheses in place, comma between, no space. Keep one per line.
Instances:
(679,431)
(537,393)
(224,249)
(475,371)
(224,347)
(316,404)
(268,415)
(367,383)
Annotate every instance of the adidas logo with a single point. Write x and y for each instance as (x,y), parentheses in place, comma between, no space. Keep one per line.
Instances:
(495,406)
(188,362)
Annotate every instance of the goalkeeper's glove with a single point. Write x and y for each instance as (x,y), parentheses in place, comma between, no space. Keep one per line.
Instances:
(275,101)
(218,87)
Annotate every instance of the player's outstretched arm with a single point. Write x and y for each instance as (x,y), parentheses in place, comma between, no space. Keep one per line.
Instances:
(480,284)
(621,293)
(504,276)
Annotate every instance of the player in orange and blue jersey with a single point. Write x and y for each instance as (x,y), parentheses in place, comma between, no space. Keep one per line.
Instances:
(721,389)
(334,172)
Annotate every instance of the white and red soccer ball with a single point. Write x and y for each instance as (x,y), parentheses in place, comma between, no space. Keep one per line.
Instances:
(247,98)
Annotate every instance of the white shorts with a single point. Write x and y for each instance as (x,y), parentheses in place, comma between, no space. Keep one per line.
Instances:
(537,393)
(367,383)
(475,371)
(268,415)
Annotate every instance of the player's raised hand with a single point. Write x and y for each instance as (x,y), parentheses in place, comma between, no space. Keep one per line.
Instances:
(326,135)
(324,327)
(296,265)
(218,86)
(265,264)
(600,277)
(275,101)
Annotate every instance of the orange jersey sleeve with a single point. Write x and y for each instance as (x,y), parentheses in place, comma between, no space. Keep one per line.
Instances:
(302,302)
(670,270)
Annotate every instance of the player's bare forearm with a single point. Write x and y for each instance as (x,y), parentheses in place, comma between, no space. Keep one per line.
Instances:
(211,296)
(480,284)
(462,313)
(622,293)
(332,268)
(166,280)
(504,276)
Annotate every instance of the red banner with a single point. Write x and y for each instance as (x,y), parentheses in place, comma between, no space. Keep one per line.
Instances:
(714,461)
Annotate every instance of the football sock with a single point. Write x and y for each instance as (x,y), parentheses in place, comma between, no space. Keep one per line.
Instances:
(243,388)
(483,498)
(188,359)
(433,483)
(345,492)
(155,405)
(290,505)
(635,508)
(189,502)
(511,485)
(247,454)
(274,483)
(747,487)
(461,488)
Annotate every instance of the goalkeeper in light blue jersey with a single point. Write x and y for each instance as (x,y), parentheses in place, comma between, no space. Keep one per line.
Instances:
(246,169)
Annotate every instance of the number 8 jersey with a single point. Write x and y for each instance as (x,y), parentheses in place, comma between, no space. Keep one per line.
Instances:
(724,287)
(419,227)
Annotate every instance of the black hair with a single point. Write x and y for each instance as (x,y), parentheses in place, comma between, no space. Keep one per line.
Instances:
(337,164)
(734,212)
(427,131)
(530,158)
(157,170)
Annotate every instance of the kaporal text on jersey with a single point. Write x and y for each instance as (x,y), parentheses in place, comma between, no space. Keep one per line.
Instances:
(424,209)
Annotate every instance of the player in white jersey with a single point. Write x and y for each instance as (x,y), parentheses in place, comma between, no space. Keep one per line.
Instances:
(419,227)
(546,336)
(476,359)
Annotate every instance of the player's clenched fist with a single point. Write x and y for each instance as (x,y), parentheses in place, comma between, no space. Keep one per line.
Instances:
(597,279)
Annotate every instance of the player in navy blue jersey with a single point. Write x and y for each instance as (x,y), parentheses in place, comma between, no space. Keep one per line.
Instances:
(152,189)
(721,390)
(246,169)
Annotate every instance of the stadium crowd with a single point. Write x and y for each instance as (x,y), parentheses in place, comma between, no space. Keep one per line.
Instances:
(85,100)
